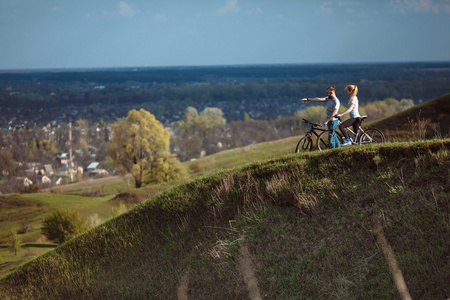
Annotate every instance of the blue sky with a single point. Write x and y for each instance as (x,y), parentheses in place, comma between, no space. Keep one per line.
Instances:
(137,33)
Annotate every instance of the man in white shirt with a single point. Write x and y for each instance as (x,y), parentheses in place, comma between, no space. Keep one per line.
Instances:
(332,108)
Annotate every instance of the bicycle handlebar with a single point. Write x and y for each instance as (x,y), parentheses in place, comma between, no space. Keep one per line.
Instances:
(311,123)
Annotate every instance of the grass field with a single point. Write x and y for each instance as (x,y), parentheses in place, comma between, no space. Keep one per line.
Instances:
(264,177)
(299,225)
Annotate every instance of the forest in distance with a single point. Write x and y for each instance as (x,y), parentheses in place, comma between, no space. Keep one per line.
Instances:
(263,92)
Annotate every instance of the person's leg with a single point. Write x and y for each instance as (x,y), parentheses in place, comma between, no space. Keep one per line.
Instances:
(356,125)
(334,142)
(342,127)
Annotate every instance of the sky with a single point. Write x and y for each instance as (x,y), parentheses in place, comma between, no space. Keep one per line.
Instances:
(48,34)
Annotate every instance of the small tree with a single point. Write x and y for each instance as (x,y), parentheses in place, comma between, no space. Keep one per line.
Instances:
(7,164)
(62,225)
(14,242)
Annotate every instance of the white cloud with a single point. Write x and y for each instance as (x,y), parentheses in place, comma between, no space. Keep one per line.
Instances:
(255,11)
(230,7)
(127,10)
(447,8)
(123,9)
(326,8)
(420,6)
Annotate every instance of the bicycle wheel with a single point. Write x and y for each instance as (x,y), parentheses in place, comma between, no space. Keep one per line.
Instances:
(371,136)
(305,144)
(323,142)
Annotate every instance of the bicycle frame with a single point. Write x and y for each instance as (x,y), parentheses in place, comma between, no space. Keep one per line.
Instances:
(357,136)
(312,130)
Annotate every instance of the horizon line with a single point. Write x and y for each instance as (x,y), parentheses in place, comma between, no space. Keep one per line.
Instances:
(144,68)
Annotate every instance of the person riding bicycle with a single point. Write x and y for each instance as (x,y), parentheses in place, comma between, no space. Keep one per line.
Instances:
(352,91)
(332,109)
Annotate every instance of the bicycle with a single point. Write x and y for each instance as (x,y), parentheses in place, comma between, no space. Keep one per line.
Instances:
(362,136)
(306,142)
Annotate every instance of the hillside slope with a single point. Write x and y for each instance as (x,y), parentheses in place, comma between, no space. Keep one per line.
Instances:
(418,121)
(298,226)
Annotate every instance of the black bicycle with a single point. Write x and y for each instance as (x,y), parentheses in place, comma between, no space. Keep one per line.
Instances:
(361,137)
(306,142)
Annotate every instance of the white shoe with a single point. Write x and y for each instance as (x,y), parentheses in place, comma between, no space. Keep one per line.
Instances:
(346,143)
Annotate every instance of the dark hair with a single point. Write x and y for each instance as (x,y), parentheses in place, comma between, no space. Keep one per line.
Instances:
(333,88)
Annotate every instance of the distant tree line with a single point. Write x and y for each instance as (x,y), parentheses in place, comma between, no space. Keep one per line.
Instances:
(168,92)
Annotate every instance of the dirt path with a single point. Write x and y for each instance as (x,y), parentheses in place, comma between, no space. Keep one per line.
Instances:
(389,255)
(248,270)
(87,183)
(183,288)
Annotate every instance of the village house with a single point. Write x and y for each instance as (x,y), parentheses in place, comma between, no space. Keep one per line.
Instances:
(24,181)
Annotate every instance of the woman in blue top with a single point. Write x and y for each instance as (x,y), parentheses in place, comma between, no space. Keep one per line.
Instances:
(352,91)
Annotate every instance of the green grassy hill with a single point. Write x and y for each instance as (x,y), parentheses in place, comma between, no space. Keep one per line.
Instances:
(329,224)
(427,120)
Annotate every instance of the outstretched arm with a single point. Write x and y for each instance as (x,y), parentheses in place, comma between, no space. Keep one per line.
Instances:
(316,99)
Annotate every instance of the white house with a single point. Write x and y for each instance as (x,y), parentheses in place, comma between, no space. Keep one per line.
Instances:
(24,181)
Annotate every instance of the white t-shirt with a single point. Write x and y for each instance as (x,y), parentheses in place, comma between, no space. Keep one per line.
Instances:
(354,113)
(332,104)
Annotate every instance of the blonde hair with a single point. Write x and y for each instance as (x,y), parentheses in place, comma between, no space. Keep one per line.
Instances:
(352,89)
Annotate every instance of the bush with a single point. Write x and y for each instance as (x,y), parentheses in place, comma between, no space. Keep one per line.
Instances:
(62,225)
(34,188)
(196,167)
(24,228)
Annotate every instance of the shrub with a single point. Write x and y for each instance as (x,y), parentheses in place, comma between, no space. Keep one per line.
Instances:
(34,188)
(196,167)
(24,228)
(94,220)
(62,225)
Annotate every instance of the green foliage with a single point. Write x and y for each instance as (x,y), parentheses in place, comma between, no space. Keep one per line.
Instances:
(137,142)
(196,167)
(7,164)
(199,132)
(313,113)
(62,225)
(164,167)
(390,106)
(14,242)
(120,209)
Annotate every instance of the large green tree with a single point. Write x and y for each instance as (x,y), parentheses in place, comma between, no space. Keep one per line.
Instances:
(138,142)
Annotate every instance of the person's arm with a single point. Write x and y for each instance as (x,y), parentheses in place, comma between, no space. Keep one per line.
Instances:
(315,99)
(331,117)
(347,111)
